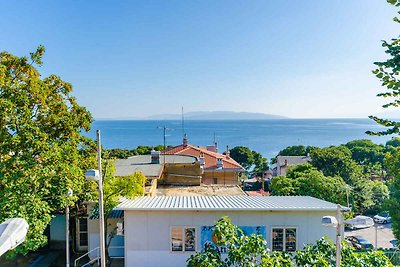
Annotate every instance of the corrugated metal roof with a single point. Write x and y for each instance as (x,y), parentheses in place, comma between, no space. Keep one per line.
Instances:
(114,214)
(243,203)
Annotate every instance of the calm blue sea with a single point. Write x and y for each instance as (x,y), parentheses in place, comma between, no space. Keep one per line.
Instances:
(265,136)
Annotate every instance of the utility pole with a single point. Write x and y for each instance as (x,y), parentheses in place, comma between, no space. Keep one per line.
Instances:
(338,236)
(165,129)
(101,205)
(67,255)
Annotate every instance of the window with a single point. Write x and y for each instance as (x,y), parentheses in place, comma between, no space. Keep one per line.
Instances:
(82,233)
(284,239)
(183,238)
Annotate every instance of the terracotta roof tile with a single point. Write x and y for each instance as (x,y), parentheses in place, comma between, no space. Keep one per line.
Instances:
(210,157)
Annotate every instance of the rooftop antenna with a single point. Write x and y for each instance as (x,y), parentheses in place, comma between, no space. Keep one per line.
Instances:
(215,143)
(165,129)
(183,123)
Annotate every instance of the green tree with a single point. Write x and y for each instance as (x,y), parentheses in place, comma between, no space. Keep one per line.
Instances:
(336,161)
(114,188)
(392,161)
(299,150)
(365,152)
(388,73)
(249,251)
(243,155)
(251,160)
(305,180)
(260,164)
(380,194)
(246,251)
(42,151)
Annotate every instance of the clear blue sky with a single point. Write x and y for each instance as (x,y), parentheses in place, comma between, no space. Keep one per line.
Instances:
(302,59)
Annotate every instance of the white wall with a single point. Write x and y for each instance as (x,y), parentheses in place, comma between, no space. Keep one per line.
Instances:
(117,242)
(147,234)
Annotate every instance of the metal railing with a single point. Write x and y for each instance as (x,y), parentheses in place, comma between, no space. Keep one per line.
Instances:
(97,249)
(96,252)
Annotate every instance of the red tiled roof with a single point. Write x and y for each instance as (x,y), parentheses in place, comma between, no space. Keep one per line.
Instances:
(210,157)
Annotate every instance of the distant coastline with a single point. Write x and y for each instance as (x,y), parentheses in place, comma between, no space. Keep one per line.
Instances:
(206,115)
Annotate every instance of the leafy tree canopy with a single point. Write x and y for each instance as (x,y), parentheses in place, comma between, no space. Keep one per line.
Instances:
(250,251)
(118,153)
(305,180)
(388,72)
(249,159)
(392,161)
(299,150)
(366,152)
(336,161)
(42,151)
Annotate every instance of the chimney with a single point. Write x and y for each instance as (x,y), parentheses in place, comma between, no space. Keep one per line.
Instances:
(220,163)
(228,153)
(216,147)
(202,161)
(211,148)
(155,157)
(185,140)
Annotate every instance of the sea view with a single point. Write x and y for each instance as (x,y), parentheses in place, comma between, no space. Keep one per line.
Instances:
(265,136)
(263,108)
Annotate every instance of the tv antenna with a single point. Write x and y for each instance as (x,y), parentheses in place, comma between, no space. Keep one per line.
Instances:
(183,123)
(165,129)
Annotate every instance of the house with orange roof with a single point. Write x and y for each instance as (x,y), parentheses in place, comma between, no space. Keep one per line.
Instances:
(217,168)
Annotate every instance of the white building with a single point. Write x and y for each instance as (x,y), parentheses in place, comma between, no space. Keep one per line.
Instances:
(166,230)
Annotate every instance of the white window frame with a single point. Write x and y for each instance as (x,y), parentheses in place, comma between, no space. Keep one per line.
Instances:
(183,228)
(284,236)
(79,231)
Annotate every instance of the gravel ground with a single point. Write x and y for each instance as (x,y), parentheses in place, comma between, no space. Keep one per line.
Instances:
(385,235)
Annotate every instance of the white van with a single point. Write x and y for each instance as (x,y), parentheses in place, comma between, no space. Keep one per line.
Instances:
(359,222)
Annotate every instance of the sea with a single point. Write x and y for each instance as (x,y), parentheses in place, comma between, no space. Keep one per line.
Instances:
(267,137)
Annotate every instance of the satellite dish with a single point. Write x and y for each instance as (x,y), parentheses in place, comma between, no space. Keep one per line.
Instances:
(12,234)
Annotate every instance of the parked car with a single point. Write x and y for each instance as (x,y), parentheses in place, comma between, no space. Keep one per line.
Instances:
(359,242)
(383,217)
(359,222)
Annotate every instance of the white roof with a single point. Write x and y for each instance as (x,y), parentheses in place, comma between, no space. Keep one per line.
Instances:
(237,203)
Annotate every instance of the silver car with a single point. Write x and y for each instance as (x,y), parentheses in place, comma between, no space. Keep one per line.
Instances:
(383,217)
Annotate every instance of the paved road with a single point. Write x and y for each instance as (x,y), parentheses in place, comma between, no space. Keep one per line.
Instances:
(385,235)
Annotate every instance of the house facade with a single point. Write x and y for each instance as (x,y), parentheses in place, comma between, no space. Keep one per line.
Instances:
(165,231)
(217,168)
(283,162)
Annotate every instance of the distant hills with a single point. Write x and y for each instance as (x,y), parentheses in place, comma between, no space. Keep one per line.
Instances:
(216,115)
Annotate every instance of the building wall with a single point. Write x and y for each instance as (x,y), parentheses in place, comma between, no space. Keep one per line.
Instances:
(228,177)
(181,173)
(117,243)
(147,234)
(57,228)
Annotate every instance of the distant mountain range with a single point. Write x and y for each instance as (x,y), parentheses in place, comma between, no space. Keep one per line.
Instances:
(216,115)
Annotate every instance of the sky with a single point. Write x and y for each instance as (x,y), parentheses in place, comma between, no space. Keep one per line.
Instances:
(128,59)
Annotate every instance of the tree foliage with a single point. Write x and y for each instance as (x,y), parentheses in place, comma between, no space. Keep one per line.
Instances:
(366,152)
(392,161)
(113,189)
(305,180)
(336,161)
(249,251)
(388,73)
(118,153)
(251,160)
(42,151)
